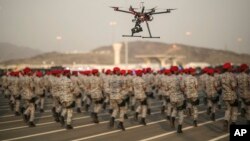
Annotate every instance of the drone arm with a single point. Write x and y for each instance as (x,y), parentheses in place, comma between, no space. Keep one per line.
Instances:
(159,12)
(148,29)
(125,11)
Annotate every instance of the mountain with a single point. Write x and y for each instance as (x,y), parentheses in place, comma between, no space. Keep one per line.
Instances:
(104,55)
(9,51)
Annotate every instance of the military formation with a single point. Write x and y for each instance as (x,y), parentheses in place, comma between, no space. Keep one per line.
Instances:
(120,92)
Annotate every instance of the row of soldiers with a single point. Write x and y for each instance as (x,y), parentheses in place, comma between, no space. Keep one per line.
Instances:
(120,89)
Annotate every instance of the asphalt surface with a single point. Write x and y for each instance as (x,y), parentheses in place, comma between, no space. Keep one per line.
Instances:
(157,128)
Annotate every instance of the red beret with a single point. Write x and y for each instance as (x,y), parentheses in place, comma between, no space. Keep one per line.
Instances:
(116,69)
(108,71)
(244,67)
(39,74)
(138,72)
(210,71)
(227,66)
(74,72)
(191,70)
(130,72)
(123,72)
(167,71)
(148,69)
(26,70)
(174,68)
(95,71)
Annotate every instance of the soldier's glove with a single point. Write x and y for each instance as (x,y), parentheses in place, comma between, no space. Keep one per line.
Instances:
(153,87)
(196,102)
(144,102)
(43,95)
(33,100)
(160,97)
(72,105)
(215,99)
(18,97)
(79,95)
(235,103)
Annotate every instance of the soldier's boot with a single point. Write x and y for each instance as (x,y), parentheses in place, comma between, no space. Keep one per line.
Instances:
(25,118)
(110,111)
(149,111)
(172,122)
(53,110)
(104,105)
(212,117)
(69,127)
(209,110)
(31,124)
(162,109)
(120,126)
(195,123)
(125,116)
(62,121)
(57,117)
(78,110)
(95,118)
(179,129)
(168,118)
(248,122)
(143,122)
(41,111)
(17,113)
(87,107)
(225,126)
(219,106)
(243,112)
(22,109)
(132,108)
(112,122)
(136,116)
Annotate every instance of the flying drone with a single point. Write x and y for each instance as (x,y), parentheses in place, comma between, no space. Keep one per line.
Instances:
(145,15)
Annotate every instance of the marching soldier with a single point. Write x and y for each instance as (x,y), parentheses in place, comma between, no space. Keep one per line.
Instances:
(139,87)
(96,87)
(27,94)
(39,90)
(77,91)
(230,99)
(189,85)
(243,81)
(176,99)
(117,101)
(15,92)
(211,86)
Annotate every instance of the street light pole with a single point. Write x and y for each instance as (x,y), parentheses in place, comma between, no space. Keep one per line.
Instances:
(113,24)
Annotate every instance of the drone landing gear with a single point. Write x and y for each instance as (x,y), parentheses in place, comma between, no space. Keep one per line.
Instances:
(131,36)
(150,35)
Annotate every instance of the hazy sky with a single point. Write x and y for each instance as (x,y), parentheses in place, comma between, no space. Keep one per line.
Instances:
(85,24)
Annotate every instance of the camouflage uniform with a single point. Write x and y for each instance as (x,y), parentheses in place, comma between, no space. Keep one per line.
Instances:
(15,93)
(189,85)
(66,99)
(149,79)
(201,88)
(5,85)
(85,87)
(243,81)
(96,87)
(177,100)
(27,93)
(77,92)
(39,85)
(164,87)
(229,96)
(211,86)
(117,101)
(139,87)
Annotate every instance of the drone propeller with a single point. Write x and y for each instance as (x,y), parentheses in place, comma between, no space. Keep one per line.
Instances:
(169,10)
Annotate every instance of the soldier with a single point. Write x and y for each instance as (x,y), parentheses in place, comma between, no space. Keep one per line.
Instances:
(229,97)
(149,79)
(96,87)
(217,76)
(105,79)
(165,92)
(202,79)
(15,92)
(139,88)
(117,101)
(243,81)
(66,98)
(176,99)
(85,86)
(39,90)
(77,91)
(211,86)
(27,94)
(189,85)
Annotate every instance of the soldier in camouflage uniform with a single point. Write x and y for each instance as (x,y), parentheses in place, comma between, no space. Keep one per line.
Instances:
(105,79)
(27,94)
(164,86)
(77,91)
(211,86)
(117,101)
(189,85)
(243,81)
(15,92)
(176,99)
(85,87)
(96,87)
(229,96)
(39,84)
(139,87)
(66,99)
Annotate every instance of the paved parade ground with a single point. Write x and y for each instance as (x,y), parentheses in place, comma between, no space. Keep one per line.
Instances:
(157,128)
